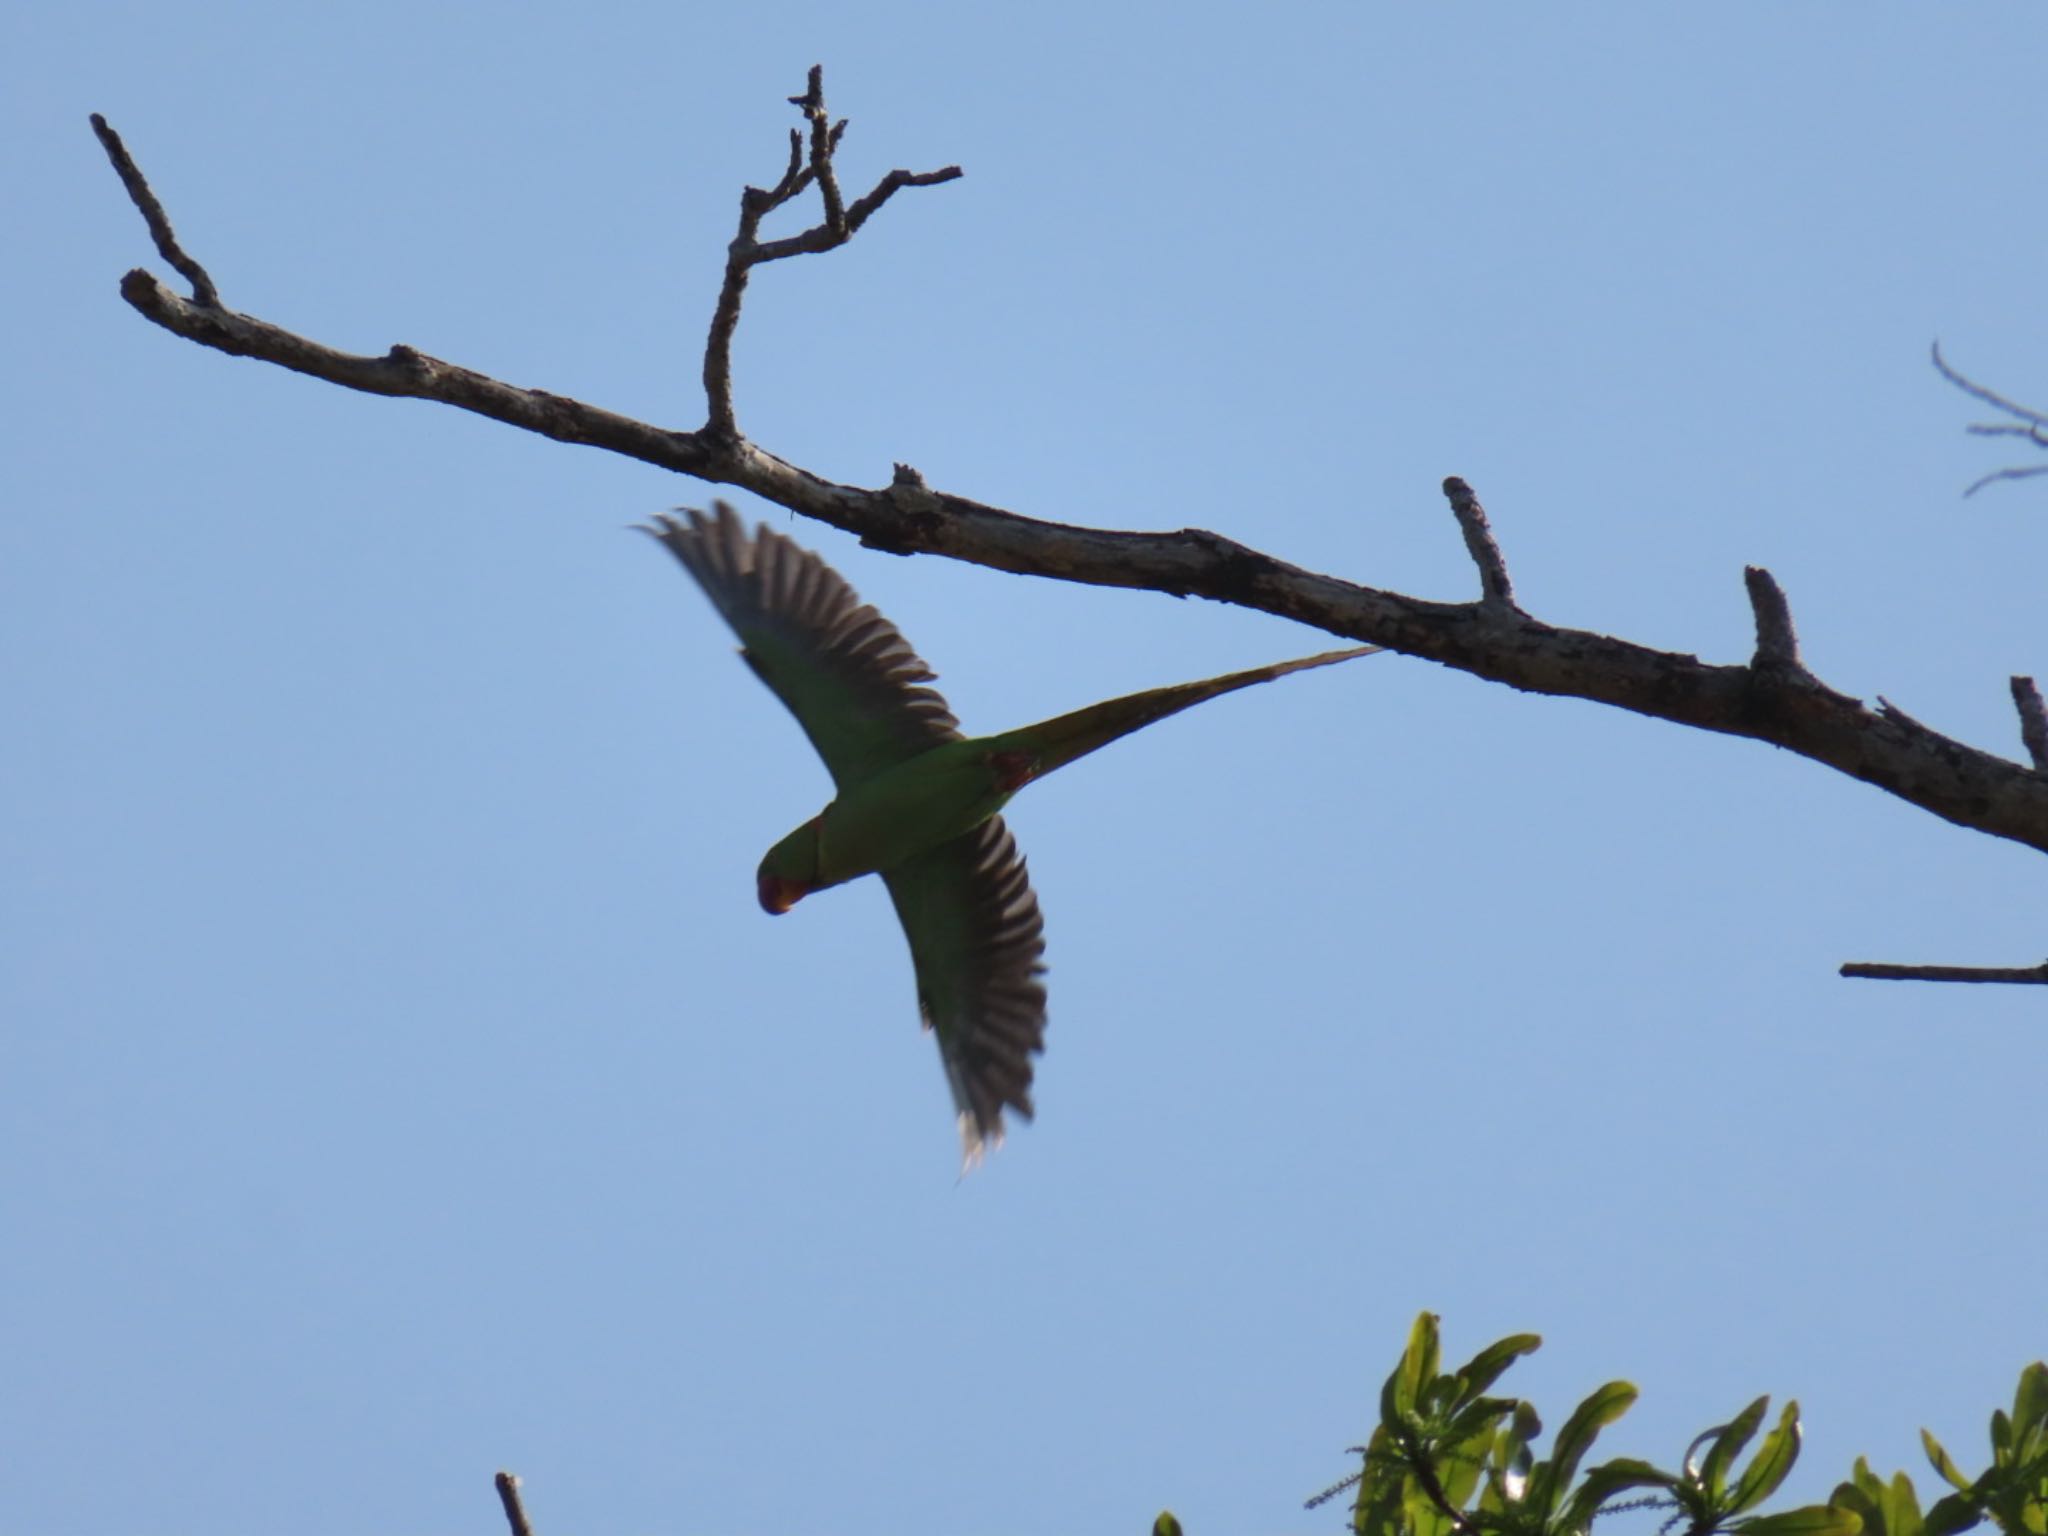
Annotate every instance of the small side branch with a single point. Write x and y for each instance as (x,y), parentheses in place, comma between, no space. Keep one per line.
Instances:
(152,211)
(2025,975)
(749,251)
(2027,423)
(2033,721)
(515,1510)
(1777,643)
(1495,589)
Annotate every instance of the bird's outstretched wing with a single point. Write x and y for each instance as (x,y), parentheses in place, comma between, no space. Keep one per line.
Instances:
(852,681)
(978,944)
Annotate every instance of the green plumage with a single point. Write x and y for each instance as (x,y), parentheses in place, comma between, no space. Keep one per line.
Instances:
(917,801)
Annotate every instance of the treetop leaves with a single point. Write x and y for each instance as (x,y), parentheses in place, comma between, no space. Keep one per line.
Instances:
(1448,1459)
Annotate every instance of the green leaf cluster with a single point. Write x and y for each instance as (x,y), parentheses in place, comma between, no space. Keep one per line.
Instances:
(1449,1458)
(2012,1493)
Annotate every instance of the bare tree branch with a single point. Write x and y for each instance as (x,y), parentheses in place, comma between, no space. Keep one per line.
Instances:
(515,1509)
(2029,424)
(1773,699)
(2034,975)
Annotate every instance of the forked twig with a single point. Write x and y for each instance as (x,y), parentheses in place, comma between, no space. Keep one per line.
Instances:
(749,251)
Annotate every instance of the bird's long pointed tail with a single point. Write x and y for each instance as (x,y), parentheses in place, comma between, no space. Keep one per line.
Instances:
(1055,743)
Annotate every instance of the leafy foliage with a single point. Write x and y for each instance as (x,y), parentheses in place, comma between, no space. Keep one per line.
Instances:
(1449,1459)
(2012,1492)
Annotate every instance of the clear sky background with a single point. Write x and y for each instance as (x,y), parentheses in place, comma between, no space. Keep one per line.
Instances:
(397,1079)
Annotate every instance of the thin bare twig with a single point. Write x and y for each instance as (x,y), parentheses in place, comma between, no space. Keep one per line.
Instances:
(2033,721)
(2032,424)
(515,1509)
(2027,975)
(2012,472)
(152,211)
(1495,589)
(1491,638)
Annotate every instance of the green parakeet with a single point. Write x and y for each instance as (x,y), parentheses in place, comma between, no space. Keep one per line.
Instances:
(917,801)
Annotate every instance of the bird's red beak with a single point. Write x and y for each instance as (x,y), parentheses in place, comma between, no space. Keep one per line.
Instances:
(779,895)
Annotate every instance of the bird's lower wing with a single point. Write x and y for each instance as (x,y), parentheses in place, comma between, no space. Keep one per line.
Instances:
(978,944)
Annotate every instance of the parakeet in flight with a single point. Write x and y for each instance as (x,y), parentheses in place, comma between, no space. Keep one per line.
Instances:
(917,801)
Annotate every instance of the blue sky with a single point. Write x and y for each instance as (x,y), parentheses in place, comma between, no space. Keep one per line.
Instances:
(400,1080)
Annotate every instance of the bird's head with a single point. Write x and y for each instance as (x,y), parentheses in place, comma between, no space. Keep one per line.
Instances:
(789,873)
